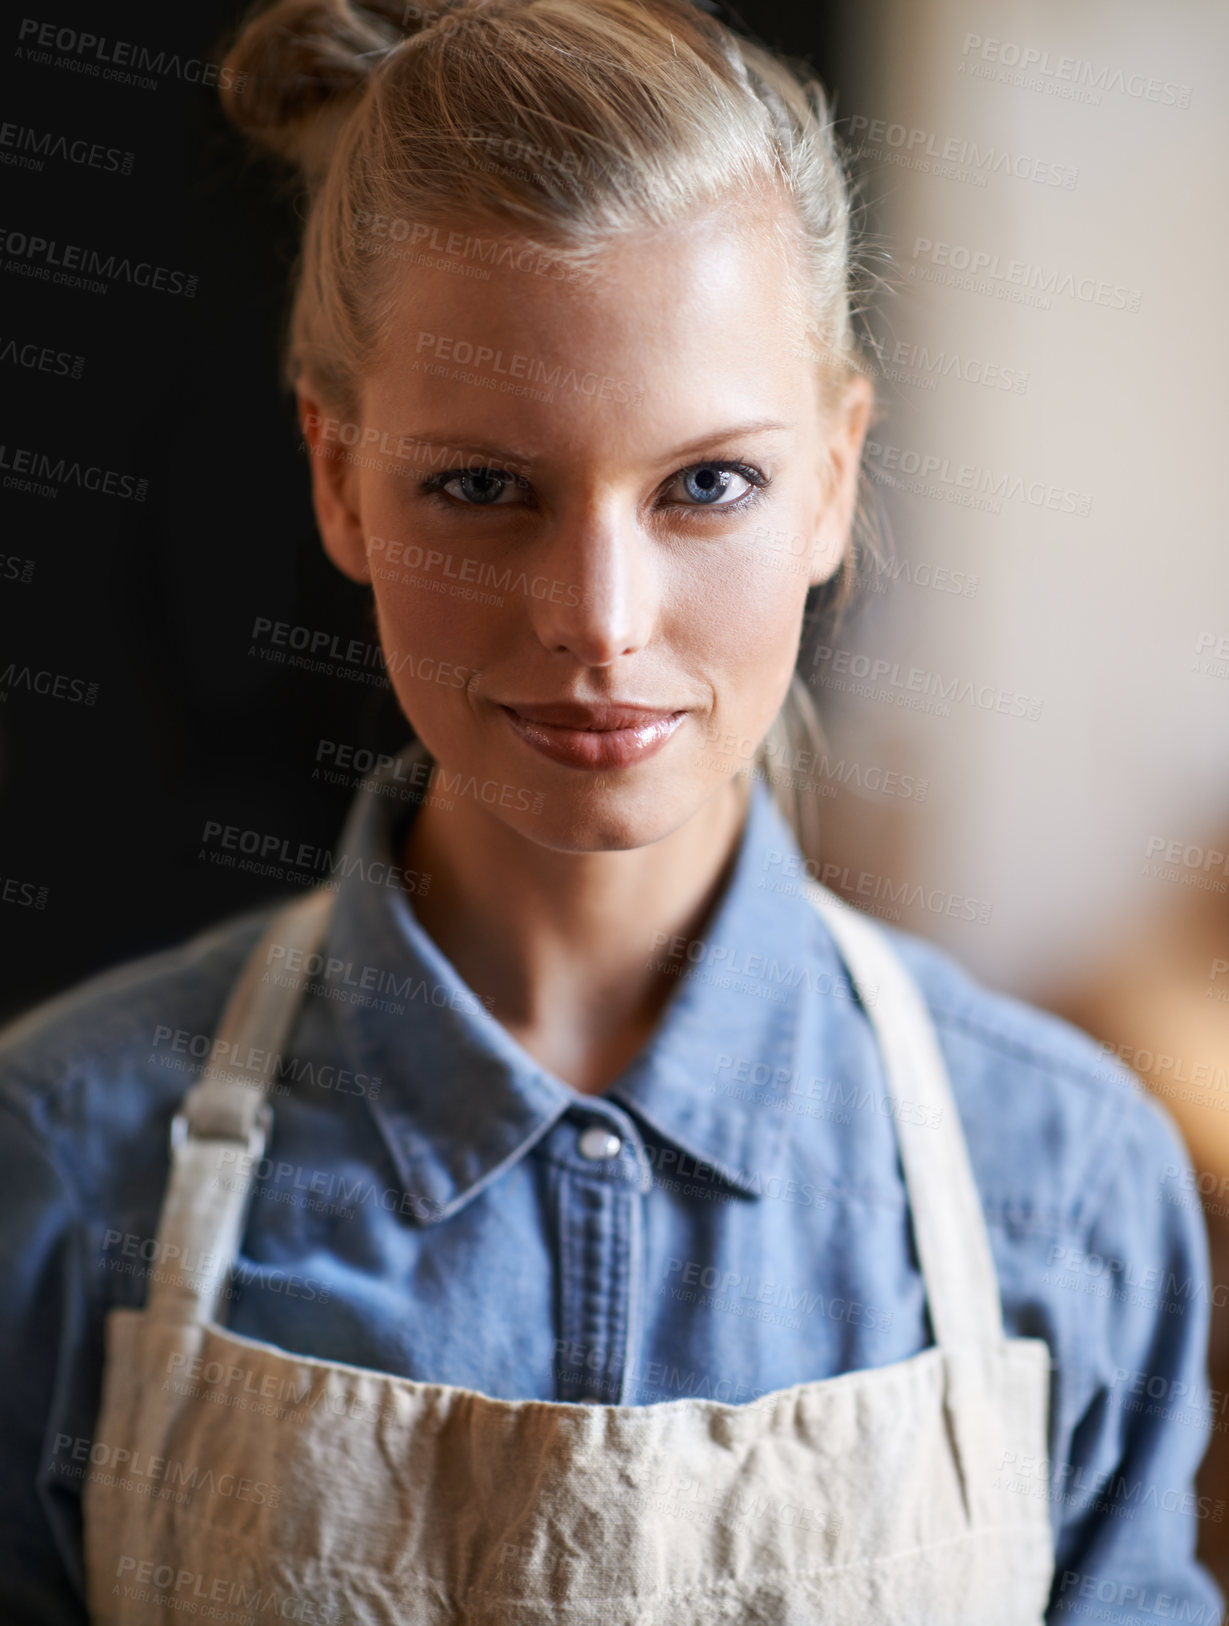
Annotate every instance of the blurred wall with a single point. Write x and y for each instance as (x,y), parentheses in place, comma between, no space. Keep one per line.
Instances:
(1048,365)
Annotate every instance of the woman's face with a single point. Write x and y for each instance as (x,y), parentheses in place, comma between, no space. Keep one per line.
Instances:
(603,492)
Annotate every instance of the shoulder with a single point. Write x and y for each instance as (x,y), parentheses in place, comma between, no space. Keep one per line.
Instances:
(1049,1114)
(127,1041)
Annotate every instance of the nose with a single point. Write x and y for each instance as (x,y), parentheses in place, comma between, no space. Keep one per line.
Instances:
(602,589)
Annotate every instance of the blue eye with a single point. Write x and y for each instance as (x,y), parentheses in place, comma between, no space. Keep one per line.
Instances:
(709,483)
(480,488)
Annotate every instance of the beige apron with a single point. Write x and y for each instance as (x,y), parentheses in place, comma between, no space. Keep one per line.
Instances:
(263,1485)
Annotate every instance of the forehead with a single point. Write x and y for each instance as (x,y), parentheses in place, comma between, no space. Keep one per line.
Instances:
(702,316)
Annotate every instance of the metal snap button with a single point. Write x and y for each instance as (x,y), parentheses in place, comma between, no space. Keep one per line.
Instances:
(597,1143)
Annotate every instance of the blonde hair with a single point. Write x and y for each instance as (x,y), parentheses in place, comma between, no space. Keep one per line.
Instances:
(637,111)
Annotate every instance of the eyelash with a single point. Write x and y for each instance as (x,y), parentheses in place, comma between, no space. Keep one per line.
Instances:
(756,479)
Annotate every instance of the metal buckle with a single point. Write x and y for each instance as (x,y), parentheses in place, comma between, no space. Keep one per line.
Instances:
(258,1135)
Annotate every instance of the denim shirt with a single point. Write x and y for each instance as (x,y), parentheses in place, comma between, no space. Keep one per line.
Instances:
(727,1219)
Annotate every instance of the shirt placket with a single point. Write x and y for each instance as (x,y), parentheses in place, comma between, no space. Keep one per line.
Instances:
(599,1244)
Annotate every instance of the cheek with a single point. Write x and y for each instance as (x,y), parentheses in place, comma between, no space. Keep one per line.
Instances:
(435,585)
(427,595)
(434,641)
(746,624)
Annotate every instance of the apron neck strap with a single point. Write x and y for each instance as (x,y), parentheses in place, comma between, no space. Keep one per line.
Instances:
(949,1226)
(222,1127)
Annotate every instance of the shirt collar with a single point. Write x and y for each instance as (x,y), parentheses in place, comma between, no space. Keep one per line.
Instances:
(410,1021)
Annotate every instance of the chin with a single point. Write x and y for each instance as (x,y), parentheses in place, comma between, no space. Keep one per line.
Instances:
(606,820)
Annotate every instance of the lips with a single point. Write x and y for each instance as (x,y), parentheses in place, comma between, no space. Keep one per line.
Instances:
(609,735)
(598,718)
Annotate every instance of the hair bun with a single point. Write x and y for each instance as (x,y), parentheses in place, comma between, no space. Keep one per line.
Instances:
(297,67)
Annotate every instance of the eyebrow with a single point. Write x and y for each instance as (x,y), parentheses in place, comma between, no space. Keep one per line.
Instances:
(755,426)
(484,448)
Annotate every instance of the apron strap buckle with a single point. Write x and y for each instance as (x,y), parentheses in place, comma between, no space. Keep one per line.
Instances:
(257,1139)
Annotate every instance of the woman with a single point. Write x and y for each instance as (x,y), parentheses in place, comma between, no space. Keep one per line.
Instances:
(583,1216)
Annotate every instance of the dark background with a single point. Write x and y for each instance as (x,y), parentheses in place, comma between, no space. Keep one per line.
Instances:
(102,807)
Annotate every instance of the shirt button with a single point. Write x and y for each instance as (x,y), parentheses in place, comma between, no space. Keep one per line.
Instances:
(596,1143)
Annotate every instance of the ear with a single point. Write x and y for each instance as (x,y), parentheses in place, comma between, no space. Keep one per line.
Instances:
(849,422)
(334,492)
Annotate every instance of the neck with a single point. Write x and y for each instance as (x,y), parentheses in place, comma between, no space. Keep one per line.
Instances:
(564,948)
